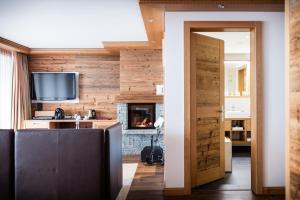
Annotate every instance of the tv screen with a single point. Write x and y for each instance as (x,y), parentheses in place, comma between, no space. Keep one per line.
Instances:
(53,86)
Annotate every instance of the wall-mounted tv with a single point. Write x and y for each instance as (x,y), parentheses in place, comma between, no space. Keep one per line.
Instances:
(54,87)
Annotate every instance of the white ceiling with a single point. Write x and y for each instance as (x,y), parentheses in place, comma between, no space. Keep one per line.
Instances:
(235,42)
(70,23)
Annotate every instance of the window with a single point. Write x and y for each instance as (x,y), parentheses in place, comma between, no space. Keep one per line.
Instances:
(6,74)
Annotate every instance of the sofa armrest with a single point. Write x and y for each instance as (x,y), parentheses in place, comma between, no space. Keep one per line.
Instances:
(114,169)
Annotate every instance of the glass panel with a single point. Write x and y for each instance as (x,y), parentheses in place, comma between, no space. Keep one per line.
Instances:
(141,116)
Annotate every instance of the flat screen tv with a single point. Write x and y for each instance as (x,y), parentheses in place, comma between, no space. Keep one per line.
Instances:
(54,86)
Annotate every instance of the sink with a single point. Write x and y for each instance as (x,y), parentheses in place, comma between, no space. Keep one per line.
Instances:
(237,114)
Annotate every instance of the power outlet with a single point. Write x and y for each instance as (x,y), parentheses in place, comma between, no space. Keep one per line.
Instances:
(160,90)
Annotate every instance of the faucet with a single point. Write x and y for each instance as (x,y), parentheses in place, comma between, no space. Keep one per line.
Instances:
(232,108)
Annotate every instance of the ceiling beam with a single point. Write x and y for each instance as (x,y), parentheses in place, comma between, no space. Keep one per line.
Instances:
(13,46)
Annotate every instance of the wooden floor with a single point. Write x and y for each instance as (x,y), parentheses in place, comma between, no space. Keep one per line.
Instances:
(239,178)
(148,184)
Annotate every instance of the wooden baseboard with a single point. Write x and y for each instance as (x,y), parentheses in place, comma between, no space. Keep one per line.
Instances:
(266,191)
(174,192)
(273,190)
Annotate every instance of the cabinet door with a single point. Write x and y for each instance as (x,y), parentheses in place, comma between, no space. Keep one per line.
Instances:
(103,123)
(227,125)
(37,124)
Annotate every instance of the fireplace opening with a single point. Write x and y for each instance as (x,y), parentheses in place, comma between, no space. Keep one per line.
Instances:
(141,115)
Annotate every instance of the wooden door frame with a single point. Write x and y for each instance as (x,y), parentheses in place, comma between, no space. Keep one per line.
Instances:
(256,94)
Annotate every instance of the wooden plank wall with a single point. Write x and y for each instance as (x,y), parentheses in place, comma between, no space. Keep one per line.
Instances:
(99,80)
(140,71)
(294,91)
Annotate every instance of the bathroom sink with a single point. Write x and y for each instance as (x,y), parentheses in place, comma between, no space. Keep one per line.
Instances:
(236,114)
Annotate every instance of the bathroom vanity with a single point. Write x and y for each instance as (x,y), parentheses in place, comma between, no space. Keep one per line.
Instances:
(238,130)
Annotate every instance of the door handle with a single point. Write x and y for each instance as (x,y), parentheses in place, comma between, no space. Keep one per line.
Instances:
(222,109)
(222,112)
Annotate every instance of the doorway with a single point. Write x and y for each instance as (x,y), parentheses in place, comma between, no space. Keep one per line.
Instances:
(204,113)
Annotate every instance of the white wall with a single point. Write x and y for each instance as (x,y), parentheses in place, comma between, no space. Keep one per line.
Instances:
(273,63)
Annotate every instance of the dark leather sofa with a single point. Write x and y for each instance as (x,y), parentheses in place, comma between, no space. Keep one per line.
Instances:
(6,164)
(68,164)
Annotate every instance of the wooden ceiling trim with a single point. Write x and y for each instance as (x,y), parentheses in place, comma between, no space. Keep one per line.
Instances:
(153,16)
(153,11)
(13,46)
(224,5)
(75,51)
(117,46)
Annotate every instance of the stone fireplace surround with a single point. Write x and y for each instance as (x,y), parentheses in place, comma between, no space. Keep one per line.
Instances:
(134,140)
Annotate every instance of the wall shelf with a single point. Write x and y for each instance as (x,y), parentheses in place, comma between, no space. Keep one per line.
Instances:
(131,98)
(238,137)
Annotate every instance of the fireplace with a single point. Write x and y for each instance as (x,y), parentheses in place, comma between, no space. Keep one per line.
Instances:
(141,115)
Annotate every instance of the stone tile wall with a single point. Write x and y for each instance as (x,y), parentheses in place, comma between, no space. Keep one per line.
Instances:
(134,140)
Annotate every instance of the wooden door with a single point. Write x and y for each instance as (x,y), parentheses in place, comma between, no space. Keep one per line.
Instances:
(207,103)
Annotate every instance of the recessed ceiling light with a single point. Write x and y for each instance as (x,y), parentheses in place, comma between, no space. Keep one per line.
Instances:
(150,20)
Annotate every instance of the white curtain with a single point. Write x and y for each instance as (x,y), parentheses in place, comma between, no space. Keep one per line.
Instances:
(6,78)
(21,104)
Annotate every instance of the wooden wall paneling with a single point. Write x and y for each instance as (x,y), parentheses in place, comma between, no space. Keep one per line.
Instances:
(98,82)
(140,71)
(293,190)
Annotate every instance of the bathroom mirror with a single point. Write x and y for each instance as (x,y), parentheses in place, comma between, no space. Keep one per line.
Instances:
(237,78)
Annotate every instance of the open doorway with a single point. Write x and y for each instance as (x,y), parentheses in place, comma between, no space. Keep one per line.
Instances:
(237,115)
(219,107)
